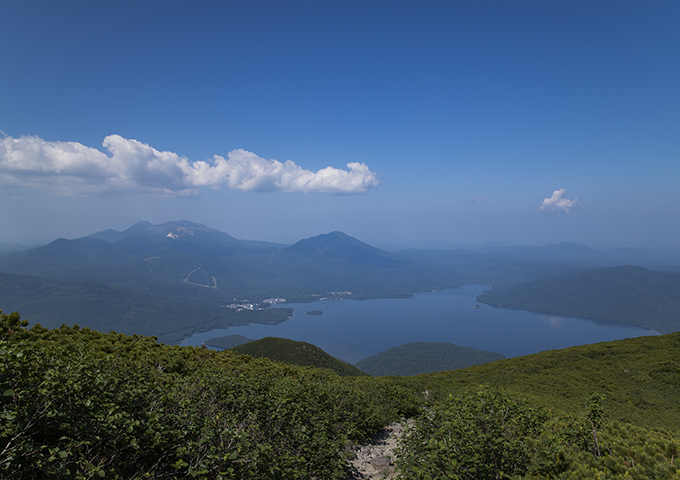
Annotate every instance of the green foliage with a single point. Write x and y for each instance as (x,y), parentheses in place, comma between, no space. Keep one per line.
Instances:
(639,376)
(475,435)
(595,415)
(424,357)
(227,341)
(489,434)
(296,353)
(76,403)
(11,325)
(629,452)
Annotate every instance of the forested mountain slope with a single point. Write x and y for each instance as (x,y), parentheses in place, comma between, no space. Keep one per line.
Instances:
(639,377)
(424,357)
(296,353)
(628,294)
(107,307)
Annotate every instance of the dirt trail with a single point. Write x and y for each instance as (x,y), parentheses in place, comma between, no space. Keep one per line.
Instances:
(374,460)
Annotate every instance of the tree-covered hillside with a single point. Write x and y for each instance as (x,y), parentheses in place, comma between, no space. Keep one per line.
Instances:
(640,378)
(628,294)
(296,353)
(424,357)
(107,307)
(603,411)
(227,341)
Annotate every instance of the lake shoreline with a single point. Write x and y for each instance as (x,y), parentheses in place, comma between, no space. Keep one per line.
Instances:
(355,330)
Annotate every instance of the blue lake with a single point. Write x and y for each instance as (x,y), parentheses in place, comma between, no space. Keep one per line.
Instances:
(352,330)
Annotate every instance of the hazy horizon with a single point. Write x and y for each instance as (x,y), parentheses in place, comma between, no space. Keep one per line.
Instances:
(403,124)
(395,247)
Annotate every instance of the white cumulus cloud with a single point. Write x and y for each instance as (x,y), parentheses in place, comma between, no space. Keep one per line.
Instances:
(557,204)
(71,168)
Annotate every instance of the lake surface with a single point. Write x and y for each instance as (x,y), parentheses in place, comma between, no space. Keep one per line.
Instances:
(352,330)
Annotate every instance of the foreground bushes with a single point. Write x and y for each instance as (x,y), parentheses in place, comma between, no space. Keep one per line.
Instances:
(81,404)
(490,435)
(472,436)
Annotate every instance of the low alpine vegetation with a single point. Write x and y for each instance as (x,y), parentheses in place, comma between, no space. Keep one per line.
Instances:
(83,404)
(79,404)
(489,434)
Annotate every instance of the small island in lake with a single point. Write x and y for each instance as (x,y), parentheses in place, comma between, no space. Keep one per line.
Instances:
(314,312)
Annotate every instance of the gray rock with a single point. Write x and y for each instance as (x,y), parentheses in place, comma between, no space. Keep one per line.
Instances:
(381,463)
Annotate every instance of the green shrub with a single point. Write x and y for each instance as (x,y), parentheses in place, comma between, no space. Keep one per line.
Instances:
(476,435)
(487,434)
(82,404)
(628,452)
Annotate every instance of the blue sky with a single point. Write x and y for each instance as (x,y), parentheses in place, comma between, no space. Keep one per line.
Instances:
(425,124)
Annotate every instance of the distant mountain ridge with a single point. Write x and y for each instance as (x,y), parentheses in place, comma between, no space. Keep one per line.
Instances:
(182,230)
(111,235)
(203,278)
(168,257)
(341,246)
(557,250)
(172,229)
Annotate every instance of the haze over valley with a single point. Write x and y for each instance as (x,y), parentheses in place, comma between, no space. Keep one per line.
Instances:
(179,278)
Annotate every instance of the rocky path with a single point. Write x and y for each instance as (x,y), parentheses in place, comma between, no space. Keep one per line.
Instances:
(374,460)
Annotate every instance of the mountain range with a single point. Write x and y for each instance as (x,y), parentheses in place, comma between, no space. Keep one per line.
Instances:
(177,278)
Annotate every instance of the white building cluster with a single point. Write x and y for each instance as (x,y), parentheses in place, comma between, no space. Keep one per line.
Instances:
(274,301)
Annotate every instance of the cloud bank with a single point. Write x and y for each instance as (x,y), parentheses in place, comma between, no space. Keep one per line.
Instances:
(557,205)
(73,169)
